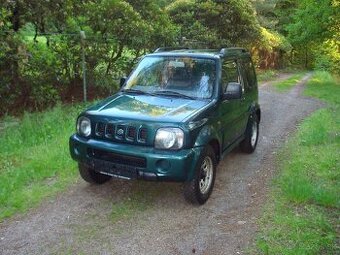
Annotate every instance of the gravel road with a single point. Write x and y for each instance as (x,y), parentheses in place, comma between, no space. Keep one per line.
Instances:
(80,220)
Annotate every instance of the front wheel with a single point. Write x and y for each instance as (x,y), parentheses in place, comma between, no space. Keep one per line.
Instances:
(91,176)
(249,143)
(199,189)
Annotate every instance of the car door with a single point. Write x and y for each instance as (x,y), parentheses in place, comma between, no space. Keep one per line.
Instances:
(231,111)
(250,89)
(248,93)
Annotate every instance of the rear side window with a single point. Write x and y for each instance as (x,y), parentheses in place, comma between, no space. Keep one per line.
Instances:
(250,73)
(230,73)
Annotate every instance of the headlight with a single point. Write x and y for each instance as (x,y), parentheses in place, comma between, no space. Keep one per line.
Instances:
(84,126)
(169,138)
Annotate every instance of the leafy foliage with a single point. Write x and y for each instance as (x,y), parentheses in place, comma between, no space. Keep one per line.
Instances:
(40,48)
(266,14)
(269,49)
(311,22)
(40,55)
(215,23)
(314,29)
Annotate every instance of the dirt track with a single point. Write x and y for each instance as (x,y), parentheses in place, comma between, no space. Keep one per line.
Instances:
(80,221)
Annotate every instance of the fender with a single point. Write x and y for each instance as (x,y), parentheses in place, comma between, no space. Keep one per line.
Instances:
(254,109)
(208,134)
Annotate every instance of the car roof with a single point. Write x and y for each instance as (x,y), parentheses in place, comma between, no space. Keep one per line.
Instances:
(208,53)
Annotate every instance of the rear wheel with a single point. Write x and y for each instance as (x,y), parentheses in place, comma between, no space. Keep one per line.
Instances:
(249,143)
(199,189)
(91,176)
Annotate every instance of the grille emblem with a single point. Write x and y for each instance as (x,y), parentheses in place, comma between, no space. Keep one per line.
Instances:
(120,131)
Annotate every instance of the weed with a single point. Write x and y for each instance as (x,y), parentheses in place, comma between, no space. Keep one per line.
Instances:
(35,161)
(301,218)
(289,83)
(325,87)
(266,75)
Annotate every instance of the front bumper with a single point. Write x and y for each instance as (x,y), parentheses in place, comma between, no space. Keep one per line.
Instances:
(134,161)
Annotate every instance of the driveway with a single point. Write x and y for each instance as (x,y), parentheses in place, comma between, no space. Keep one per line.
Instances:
(122,217)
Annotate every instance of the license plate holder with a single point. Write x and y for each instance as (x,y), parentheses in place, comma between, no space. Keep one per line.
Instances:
(114,169)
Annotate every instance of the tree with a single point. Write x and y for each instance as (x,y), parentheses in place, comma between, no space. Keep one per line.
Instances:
(265,13)
(313,23)
(162,31)
(215,23)
(11,47)
(284,10)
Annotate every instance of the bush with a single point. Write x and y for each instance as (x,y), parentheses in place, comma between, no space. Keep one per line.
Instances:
(327,57)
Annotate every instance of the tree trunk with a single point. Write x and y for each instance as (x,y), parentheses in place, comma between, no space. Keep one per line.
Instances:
(15,47)
(16,16)
(35,33)
(306,57)
(137,55)
(114,57)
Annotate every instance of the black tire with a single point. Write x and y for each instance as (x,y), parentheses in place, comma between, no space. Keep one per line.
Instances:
(192,190)
(248,145)
(91,176)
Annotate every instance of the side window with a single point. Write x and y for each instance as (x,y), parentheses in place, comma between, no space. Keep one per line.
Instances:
(250,73)
(230,73)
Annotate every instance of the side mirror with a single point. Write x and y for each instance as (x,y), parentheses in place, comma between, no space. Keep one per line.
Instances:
(233,91)
(122,81)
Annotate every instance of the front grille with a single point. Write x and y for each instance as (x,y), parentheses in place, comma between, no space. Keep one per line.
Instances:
(109,130)
(117,158)
(142,135)
(121,132)
(100,129)
(131,133)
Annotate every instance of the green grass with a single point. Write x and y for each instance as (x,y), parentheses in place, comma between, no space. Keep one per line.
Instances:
(39,39)
(34,158)
(287,84)
(302,215)
(325,87)
(266,75)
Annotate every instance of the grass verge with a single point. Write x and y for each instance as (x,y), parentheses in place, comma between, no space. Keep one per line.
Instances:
(302,216)
(287,84)
(266,75)
(34,158)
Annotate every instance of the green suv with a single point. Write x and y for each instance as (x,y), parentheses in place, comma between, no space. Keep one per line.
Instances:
(177,114)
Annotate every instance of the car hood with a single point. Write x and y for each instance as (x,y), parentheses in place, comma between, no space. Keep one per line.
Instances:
(149,108)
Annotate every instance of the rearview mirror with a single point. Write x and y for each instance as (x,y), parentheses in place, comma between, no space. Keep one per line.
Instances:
(233,91)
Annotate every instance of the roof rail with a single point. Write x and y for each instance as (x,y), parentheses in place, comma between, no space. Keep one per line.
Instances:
(162,49)
(223,51)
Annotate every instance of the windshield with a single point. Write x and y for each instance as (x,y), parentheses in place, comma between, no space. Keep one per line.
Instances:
(174,76)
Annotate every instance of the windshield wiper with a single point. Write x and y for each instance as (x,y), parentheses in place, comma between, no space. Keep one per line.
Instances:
(172,93)
(136,91)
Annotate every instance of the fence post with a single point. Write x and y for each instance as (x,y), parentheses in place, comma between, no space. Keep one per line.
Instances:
(82,39)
